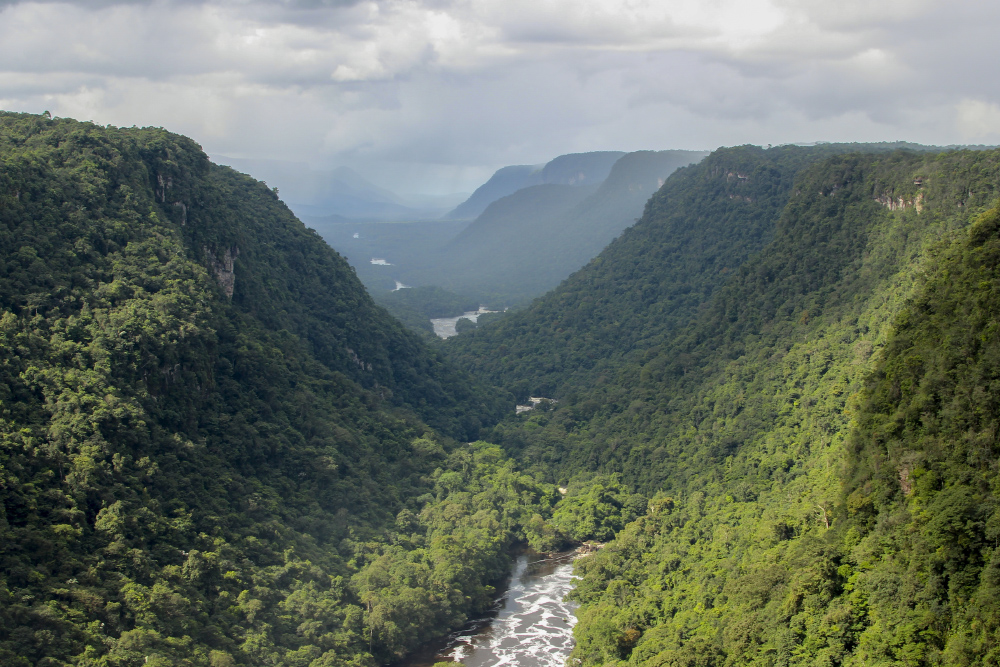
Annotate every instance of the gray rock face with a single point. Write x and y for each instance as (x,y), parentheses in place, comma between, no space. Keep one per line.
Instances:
(223,268)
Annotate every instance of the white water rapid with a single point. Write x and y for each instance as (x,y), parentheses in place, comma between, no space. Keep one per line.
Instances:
(532,625)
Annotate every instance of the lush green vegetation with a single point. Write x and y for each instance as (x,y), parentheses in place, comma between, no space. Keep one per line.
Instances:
(758,547)
(411,318)
(215,449)
(464,324)
(485,319)
(892,561)
(777,398)
(700,227)
(596,507)
(922,492)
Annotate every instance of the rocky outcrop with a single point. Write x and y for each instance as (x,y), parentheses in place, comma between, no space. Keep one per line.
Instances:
(901,203)
(358,361)
(223,268)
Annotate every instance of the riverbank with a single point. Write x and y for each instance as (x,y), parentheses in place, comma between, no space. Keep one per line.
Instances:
(531,624)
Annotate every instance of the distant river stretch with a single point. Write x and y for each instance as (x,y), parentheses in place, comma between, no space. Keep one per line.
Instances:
(444,327)
(531,627)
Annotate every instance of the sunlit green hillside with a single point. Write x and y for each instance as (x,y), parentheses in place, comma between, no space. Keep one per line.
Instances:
(817,434)
(777,402)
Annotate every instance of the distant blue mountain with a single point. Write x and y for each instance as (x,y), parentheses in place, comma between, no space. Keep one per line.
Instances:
(572,169)
(338,194)
(526,242)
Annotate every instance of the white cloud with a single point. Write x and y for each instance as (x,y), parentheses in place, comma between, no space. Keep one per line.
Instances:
(470,84)
(978,120)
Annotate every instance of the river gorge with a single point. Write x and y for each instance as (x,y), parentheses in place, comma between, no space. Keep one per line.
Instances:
(531,624)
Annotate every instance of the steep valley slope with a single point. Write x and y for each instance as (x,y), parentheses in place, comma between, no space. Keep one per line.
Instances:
(699,228)
(815,425)
(215,449)
(777,403)
(524,243)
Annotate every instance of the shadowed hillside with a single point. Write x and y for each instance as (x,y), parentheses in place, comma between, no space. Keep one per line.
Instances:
(581,169)
(215,449)
(529,241)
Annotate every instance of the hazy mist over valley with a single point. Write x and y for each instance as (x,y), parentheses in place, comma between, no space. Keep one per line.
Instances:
(413,333)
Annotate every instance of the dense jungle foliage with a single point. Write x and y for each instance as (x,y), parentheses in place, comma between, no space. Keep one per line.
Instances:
(215,449)
(702,225)
(777,400)
(819,441)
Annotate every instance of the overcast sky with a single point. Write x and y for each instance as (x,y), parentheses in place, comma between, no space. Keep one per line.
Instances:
(433,95)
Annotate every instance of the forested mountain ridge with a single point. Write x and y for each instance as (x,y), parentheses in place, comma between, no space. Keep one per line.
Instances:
(528,242)
(277,273)
(779,390)
(520,208)
(761,546)
(702,224)
(214,448)
(572,169)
